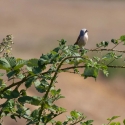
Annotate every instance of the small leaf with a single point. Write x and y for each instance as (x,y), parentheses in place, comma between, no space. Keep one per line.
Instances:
(124,121)
(19,63)
(41,86)
(29,82)
(55,92)
(114,117)
(75,114)
(118,123)
(114,41)
(31,100)
(4,64)
(23,92)
(62,42)
(114,123)
(90,72)
(12,73)
(88,122)
(58,123)
(106,73)
(32,63)
(106,43)
(35,113)
(13,117)
(8,106)
(56,49)
(36,70)
(15,93)
(122,38)
(20,75)
(43,61)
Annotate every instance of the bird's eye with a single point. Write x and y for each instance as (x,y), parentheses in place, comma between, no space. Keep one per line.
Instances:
(86,31)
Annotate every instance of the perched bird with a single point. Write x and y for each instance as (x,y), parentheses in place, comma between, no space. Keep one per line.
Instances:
(82,38)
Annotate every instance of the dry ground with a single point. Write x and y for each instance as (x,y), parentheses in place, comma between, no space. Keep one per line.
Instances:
(38,24)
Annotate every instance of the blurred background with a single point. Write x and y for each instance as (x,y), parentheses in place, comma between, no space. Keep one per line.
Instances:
(37,25)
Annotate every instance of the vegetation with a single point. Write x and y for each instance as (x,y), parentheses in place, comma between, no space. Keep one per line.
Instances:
(42,74)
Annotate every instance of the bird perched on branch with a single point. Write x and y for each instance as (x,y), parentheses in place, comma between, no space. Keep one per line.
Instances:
(82,38)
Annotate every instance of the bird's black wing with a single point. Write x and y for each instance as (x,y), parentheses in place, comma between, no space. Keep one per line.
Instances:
(76,43)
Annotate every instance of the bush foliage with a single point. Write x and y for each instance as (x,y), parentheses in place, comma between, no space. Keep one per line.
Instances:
(42,74)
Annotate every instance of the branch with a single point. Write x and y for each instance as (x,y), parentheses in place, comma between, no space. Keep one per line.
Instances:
(12,85)
(77,121)
(117,44)
(72,67)
(52,80)
(121,51)
(63,69)
(53,117)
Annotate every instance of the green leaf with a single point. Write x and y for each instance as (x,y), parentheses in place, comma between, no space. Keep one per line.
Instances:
(13,117)
(29,82)
(56,49)
(19,63)
(36,70)
(12,73)
(75,114)
(11,94)
(112,118)
(55,92)
(109,56)
(31,100)
(88,122)
(118,123)
(44,59)
(15,93)
(90,72)
(124,121)
(62,42)
(122,38)
(115,123)
(41,86)
(7,63)
(32,63)
(105,72)
(8,106)
(23,92)
(58,123)
(20,75)
(104,43)
(35,114)
(7,94)
(114,41)
(2,84)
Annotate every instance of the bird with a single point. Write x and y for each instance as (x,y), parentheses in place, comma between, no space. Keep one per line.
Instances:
(82,38)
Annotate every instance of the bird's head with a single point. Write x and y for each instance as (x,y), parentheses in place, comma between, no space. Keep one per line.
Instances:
(83,32)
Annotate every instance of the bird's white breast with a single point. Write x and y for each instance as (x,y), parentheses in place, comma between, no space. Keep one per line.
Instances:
(83,40)
(86,37)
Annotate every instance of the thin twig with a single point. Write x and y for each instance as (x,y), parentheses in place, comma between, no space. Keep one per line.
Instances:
(121,51)
(111,62)
(116,45)
(12,85)
(77,121)
(53,117)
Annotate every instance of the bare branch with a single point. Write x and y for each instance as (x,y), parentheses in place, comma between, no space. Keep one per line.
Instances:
(121,51)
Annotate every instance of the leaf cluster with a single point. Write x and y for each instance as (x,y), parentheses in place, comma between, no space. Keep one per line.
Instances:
(42,74)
